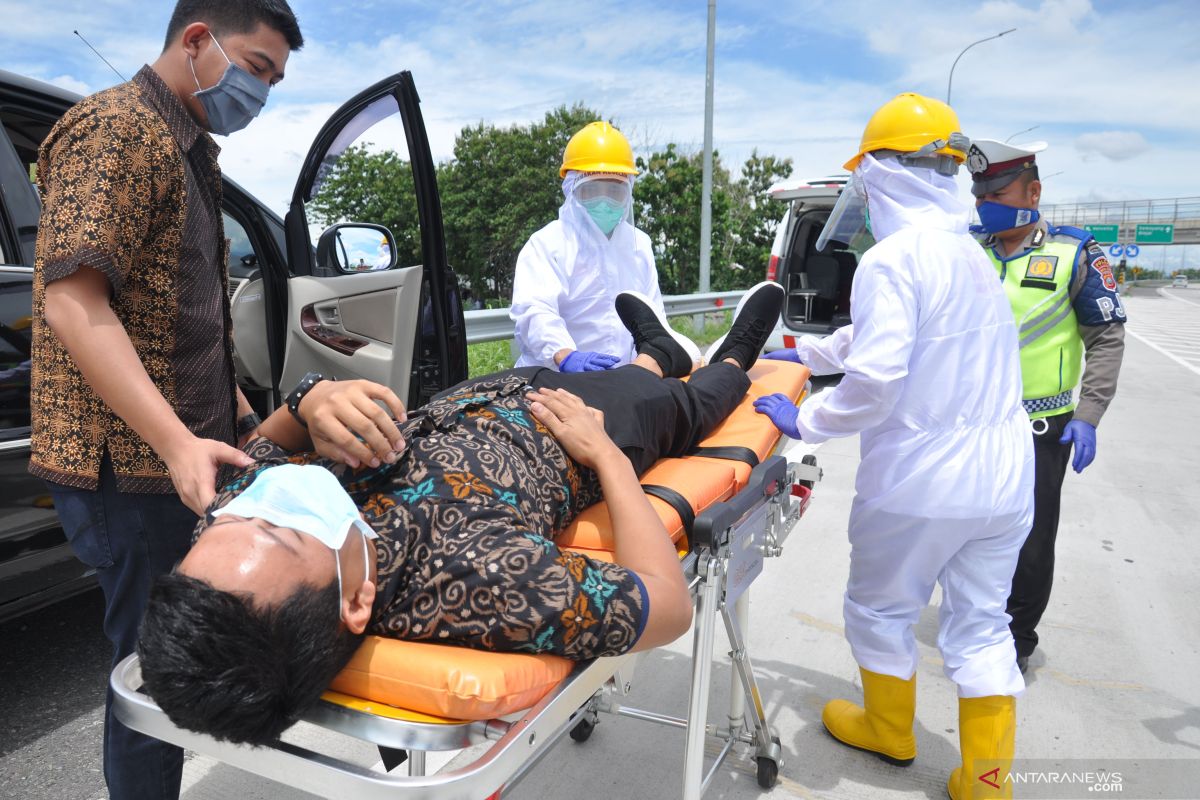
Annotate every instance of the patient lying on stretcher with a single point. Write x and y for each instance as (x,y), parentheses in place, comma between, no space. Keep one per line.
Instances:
(451,541)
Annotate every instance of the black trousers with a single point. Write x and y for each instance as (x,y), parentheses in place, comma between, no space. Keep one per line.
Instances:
(650,417)
(1035,567)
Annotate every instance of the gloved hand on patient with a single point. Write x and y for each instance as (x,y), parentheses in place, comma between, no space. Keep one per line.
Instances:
(587,361)
(781,411)
(786,354)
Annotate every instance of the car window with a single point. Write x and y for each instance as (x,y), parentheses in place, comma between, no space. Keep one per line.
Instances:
(371,151)
(16,336)
(243,261)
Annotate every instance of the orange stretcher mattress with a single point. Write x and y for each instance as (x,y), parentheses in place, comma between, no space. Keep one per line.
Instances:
(458,683)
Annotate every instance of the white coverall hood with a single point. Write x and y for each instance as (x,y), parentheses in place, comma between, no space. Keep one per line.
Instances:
(917,197)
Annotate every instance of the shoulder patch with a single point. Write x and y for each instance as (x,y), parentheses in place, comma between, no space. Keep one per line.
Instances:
(1069,230)
(1101,266)
(1094,249)
(1042,267)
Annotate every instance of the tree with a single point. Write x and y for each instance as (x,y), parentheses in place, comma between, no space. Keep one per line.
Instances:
(372,187)
(501,187)
(667,199)
(755,216)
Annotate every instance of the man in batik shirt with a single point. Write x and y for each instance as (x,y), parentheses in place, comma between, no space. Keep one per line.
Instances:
(258,618)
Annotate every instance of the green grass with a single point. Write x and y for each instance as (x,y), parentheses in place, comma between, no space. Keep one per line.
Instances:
(488,357)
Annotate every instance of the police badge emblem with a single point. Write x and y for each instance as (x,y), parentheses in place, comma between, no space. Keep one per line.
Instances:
(976,161)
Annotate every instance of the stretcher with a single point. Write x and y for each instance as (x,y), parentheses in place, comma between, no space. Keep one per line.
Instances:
(729,506)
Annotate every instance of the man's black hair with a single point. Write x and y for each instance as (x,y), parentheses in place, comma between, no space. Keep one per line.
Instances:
(236,16)
(218,664)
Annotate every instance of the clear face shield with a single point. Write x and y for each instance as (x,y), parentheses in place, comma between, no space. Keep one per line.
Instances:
(607,198)
(848,220)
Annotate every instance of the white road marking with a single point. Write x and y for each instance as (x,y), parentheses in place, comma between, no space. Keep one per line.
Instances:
(1171,329)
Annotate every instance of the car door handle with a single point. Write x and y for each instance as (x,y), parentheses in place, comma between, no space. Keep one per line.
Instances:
(319,332)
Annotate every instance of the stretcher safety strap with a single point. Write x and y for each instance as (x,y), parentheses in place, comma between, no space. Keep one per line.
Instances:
(729,453)
(676,501)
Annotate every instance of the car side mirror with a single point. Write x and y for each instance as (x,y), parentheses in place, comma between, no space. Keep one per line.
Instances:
(350,247)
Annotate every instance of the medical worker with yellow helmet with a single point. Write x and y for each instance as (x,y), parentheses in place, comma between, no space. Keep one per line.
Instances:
(570,272)
(944,491)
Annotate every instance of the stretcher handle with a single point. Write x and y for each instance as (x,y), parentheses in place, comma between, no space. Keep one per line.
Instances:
(714,523)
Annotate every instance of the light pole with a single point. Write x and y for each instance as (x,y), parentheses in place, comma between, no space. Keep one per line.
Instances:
(1018,133)
(950,82)
(706,178)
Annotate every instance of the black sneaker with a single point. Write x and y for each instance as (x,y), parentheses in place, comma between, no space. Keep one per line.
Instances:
(675,353)
(753,321)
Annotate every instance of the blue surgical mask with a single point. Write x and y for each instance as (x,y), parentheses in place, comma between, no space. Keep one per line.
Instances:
(605,212)
(997,218)
(305,498)
(234,100)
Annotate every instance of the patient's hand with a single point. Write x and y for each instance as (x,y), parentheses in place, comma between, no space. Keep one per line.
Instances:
(347,424)
(577,427)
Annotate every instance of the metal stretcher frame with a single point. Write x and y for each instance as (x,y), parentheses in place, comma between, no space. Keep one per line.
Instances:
(729,541)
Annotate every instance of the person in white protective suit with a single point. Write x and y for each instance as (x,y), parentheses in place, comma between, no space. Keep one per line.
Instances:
(944,491)
(570,272)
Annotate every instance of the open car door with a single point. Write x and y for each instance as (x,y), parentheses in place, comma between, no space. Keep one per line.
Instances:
(349,312)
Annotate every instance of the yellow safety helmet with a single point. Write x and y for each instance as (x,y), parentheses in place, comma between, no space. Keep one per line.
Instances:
(910,123)
(598,147)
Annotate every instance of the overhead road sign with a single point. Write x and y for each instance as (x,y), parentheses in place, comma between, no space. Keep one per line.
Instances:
(1116,250)
(1132,250)
(1104,234)
(1154,234)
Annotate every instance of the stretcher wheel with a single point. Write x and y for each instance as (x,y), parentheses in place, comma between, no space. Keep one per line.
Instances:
(811,461)
(768,771)
(583,730)
(768,766)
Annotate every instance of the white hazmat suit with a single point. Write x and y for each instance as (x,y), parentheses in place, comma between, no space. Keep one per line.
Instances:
(932,384)
(567,278)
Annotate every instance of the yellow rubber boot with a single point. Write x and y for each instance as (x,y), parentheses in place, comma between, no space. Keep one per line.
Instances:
(883,724)
(987,730)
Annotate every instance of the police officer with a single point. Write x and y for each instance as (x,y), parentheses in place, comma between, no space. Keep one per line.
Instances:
(1067,307)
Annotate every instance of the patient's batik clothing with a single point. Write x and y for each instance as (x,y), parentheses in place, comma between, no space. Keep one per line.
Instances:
(467,515)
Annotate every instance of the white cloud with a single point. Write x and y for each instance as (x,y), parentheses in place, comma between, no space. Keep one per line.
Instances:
(1113,145)
(71,84)
(1080,72)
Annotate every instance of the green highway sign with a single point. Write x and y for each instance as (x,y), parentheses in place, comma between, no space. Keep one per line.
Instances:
(1104,234)
(1154,234)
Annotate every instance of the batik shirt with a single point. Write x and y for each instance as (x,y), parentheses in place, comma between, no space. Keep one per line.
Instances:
(466,520)
(131,188)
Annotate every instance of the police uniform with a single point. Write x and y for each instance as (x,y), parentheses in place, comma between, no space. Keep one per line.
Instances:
(1067,308)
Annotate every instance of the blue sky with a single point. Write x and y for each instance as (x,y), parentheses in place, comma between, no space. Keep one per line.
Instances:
(1112,86)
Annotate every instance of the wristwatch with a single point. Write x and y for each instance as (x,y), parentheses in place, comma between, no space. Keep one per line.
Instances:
(309,380)
(247,423)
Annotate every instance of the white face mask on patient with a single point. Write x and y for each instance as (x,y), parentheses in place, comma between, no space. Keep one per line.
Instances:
(305,498)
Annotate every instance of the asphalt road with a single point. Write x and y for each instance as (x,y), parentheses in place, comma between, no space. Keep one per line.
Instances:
(1116,677)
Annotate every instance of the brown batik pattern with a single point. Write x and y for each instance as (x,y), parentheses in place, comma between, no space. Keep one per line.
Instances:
(131,187)
(466,520)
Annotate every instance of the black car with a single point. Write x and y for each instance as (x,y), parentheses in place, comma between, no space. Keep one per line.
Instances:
(295,307)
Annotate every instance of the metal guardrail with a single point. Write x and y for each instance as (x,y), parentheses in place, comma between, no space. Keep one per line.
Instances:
(1127,211)
(493,324)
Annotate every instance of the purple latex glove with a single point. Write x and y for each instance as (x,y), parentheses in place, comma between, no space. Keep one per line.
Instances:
(587,361)
(786,354)
(781,410)
(1083,436)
